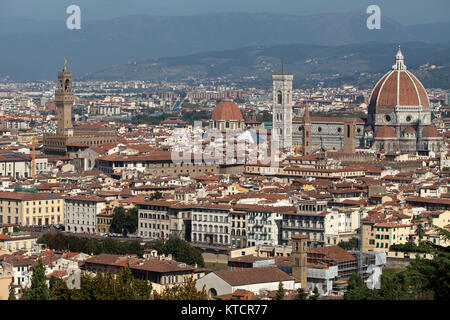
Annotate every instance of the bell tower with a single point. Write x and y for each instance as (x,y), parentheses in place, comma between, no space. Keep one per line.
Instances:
(306,133)
(282,109)
(349,135)
(299,259)
(64,100)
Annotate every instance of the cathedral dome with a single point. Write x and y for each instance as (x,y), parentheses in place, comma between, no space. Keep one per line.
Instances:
(409,130)
(399,87)
(430,132)
(385,132)
(226,110)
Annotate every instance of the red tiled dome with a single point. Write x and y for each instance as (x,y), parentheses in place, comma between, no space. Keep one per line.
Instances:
(385,132)
(226,110)
(409,130)
(430,132)
(399,87)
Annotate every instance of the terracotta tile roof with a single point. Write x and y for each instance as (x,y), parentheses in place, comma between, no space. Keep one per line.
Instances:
(27,196)
(162,266)
(334,252)
(253,275)
(226,110)
(91,198)
(109,259)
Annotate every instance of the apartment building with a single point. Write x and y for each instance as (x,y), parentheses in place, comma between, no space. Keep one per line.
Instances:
(211,224)
(156,163)
(388,233)
(15,164)
(30,209)
(18,241)
(81,213)
(238,221)
(264,224)
(310,218)
(161,219)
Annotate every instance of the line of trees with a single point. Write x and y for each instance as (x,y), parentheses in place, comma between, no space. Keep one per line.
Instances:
(104,286)
(60,241)
(181,250)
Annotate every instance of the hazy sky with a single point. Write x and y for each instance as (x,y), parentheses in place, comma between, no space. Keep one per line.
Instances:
(406,12)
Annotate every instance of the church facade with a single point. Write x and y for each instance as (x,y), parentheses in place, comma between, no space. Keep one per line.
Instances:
(399,118)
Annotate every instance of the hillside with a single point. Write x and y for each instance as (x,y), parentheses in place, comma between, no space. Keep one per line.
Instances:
(358,64)
(34,50)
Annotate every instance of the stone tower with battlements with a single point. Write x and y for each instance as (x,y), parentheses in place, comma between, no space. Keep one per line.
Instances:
(64,99)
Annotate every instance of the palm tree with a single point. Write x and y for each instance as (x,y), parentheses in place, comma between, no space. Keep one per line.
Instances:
(420,232)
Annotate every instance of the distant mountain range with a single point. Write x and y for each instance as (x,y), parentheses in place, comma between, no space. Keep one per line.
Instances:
(312,65)
(34,50)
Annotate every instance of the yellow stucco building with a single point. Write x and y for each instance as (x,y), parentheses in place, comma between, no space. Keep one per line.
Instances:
(30,209)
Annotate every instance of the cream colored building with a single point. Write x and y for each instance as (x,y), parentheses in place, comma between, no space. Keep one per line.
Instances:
(81,213)
(18,241)
(28,209)
(6,277)
(387,234)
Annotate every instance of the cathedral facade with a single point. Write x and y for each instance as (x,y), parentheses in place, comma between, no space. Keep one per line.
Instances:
(399,118)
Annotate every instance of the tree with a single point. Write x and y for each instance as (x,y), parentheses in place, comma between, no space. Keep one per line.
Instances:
(280,293)
(356,290)
(5,230)
(12,291)
(51,282)
(16,229)
(157,195)
(350,244)
(118,220)
(185,291)
(60,291)
(38,289)
(124,222)
(301,294)
(181,251)
(420,232)
(315,295)
(105,286)
(445,234)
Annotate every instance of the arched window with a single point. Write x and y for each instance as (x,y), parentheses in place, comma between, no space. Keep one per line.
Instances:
(279,97)
(67,84)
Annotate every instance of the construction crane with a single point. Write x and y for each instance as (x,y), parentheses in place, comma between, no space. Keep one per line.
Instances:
(33,155)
